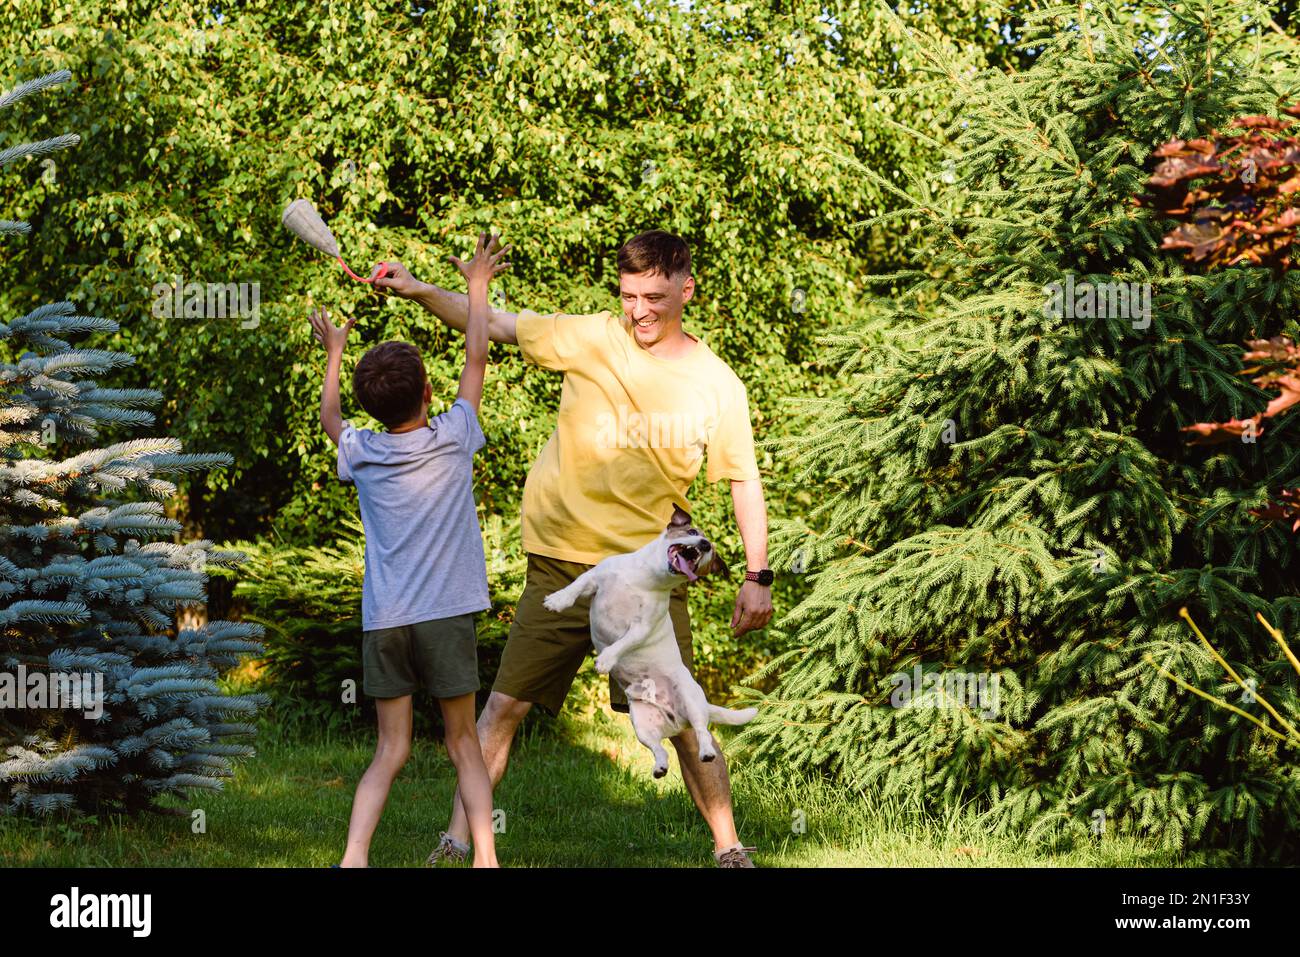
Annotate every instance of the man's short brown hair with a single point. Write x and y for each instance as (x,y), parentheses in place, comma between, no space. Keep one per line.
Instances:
(655,252)
(389,382)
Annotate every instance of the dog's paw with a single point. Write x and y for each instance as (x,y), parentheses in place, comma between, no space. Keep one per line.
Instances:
(605,662)
(643,690)
(557,601)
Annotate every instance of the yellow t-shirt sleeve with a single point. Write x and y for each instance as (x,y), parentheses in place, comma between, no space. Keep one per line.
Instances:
(556,341)
(730,453)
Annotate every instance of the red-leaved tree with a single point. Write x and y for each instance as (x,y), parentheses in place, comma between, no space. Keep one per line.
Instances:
(1233,194)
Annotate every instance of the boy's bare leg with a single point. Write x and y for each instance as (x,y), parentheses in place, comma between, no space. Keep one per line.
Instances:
(709,786)
(391,752)
(496,730)
(472,782)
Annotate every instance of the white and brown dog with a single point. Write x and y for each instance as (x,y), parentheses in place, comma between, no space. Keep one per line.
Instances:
(634,636)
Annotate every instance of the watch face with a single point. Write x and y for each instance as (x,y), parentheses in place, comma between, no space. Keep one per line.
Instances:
(765,576)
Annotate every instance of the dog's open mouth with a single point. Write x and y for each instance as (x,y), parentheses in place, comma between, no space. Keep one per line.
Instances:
(682,559)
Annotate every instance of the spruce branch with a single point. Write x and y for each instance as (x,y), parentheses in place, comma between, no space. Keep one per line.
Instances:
(38,148)
(34,86)
(1292,736)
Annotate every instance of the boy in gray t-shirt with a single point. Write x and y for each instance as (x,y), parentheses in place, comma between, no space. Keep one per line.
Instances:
(425,573)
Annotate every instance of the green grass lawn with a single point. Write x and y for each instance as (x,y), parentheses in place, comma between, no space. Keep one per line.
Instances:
(578,794)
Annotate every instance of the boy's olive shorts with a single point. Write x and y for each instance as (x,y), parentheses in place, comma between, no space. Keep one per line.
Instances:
(545,648)
(439,655)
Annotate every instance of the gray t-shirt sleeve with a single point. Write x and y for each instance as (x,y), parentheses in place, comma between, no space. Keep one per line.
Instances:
(459,426)
(349,447)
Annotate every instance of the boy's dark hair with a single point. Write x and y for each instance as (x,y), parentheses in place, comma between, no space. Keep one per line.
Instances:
(389,382)
(655,252)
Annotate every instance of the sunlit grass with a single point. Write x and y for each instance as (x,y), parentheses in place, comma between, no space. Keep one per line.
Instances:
(578,794)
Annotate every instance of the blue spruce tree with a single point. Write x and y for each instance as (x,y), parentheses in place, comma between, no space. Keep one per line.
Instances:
(105,704)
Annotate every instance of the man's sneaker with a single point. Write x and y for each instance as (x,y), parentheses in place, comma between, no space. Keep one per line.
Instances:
(448,849)
(735,856)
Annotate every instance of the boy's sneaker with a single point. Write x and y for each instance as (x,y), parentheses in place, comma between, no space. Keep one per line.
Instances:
(735,856)
(448,849)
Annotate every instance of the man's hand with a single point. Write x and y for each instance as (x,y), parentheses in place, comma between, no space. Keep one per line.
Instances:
(754,601)
(753,608)
(332,337)
(398,281)
(451,307)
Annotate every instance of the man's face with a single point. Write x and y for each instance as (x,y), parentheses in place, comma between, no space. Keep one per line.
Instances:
(653,302)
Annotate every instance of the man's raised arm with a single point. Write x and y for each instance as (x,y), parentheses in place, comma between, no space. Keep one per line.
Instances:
(451,307)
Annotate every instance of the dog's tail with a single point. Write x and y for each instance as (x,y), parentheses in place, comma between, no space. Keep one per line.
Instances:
(730,715)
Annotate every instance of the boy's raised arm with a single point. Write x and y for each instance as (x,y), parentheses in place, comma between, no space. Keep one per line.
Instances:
(478,272)
(333,338)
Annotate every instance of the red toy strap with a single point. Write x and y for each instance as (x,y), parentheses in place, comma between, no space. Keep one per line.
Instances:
(383,272)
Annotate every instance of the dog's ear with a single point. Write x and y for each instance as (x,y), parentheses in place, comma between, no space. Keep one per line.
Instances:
(719,568)
(680,519)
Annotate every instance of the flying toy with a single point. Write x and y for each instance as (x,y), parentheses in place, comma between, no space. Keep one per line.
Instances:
(301,219)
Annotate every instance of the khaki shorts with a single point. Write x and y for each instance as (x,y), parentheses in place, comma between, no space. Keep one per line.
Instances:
(545,649)
(439,655)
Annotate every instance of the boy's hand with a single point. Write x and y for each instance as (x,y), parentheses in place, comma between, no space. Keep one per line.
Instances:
(487,262)
(332,337)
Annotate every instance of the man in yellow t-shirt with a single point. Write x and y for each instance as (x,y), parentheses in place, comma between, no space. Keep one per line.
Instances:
(643,405)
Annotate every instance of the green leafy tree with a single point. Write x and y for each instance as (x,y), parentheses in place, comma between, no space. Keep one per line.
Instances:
(103,703)
(569,125)
(1005,494)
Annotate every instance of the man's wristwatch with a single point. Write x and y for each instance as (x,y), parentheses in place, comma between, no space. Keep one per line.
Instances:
(763,577)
